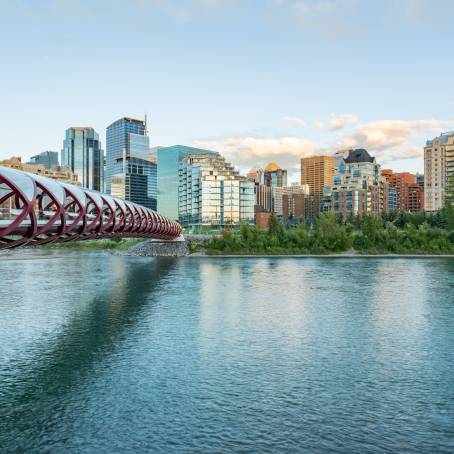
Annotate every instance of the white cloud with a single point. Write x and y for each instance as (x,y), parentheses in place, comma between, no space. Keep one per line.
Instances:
(387,140)
(341,121)
(296,120)
(246,152)
(391,140)
(320,125)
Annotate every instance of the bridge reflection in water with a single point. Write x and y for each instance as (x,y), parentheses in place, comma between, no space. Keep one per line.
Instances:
(37,210)
(39,380)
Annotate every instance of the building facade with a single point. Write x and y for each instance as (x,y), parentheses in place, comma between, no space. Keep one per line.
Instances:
(415,198)
(358,187)
(274,176)
(169,159)
(401,182)
(199,187)
(438,170)
(318,172)
(138,183)
(392,199)
(82,154)
(131,171)
(48,159)
(58,173)
(263,195)
(275,179)
(285,199)
(212,193)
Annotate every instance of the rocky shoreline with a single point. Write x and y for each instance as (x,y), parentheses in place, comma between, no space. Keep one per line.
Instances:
(154,248)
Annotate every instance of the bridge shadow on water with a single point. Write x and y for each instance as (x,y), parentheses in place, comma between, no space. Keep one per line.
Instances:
(41,386)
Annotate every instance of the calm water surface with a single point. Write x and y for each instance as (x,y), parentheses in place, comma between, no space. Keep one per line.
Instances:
(109,354)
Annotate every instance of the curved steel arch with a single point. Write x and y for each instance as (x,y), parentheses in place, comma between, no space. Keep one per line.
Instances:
(37,210)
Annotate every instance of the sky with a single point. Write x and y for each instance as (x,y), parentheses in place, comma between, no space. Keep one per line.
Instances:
(257,80)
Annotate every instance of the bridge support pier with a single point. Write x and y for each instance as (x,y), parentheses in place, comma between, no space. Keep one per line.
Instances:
(158,248)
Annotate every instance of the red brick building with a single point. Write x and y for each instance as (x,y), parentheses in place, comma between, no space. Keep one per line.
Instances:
(262,219)
(415,198)
(407,200)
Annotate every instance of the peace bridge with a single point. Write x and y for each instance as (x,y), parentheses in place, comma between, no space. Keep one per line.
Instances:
(36,210)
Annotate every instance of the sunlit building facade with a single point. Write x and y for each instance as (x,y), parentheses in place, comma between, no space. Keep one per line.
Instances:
(318,172)
(358,187)
(212,193)
(401,182)
(438,170)
(57,173)
(274,176)
(285,208)
(169,159)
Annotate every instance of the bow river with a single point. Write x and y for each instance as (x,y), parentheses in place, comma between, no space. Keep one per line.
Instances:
(103,353)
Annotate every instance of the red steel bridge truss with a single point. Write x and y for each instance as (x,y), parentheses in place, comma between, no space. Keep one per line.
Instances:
(37,210)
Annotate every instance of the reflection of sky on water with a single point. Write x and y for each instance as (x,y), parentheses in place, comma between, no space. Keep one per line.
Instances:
(124,354)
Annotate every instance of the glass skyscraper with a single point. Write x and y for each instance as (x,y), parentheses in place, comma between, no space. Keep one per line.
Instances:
(169,159)
(48,159)
(83,155)
(198,187)
(130,172)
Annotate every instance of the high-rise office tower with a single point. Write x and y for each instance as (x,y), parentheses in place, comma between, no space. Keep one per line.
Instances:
(83,155)
(438,170)
(48,159)
(130,171)
(263,195)
(317,172)
(274,176)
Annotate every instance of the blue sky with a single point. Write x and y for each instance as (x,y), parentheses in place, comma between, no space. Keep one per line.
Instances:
(258,80)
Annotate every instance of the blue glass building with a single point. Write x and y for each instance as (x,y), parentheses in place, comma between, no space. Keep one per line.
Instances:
(130,172)
(83,155)
(199,187)
(169,159)
(48,159)
(392,199)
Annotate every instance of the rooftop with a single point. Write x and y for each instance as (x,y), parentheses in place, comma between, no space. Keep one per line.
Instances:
(444,137)
(358,155)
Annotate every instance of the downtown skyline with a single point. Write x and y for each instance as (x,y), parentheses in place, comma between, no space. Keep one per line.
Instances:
(256,81)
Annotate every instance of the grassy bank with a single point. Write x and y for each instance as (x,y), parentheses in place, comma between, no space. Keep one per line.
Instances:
(391,233)
(111,244)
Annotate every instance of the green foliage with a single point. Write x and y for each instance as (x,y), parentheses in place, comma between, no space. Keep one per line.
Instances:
(330,235)
(393,232)
(113,243)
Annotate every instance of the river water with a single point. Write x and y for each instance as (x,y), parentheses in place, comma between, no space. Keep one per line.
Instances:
(110,354)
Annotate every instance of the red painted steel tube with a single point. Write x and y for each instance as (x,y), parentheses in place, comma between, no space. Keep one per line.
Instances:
(36,210)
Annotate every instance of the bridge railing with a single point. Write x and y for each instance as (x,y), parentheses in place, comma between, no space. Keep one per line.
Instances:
(37,210)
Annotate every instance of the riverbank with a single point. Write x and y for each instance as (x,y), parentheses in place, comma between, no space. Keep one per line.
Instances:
(107,244)
(324,256)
